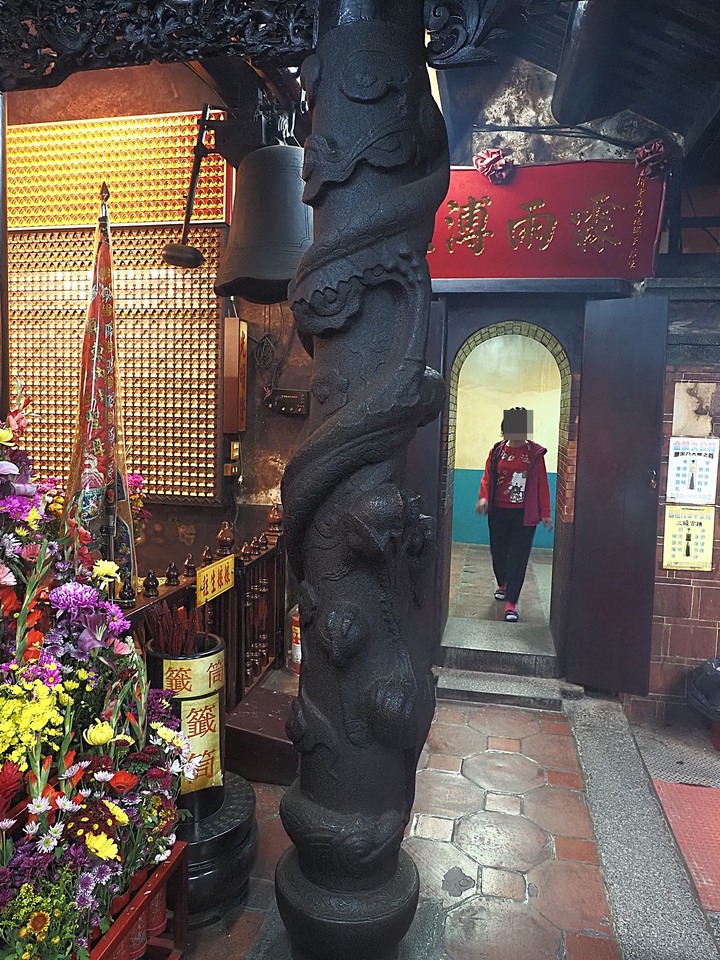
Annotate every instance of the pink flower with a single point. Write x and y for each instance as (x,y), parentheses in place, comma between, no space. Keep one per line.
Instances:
(120,648)
(7,577)
(30,552)
(494,165)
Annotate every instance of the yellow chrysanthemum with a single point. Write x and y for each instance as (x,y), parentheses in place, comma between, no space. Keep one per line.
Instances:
(6,435)
(120,816)
(102,846)
(33,518)
(100,733)
(106,571)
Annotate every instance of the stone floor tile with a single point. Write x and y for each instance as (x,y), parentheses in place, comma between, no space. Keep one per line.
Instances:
(424,758)
(498,721)
(435,828)
(499,803)
(570,895)
(272,842)
(502,840)
(559,727)
(503,743)
(505,884)
(568,848)
(579,947)
(444,794)
(446,873)
(232,937)
(260,895)
(472,611)
(445,714)
(559,753)
(504,772)
(439,762)
(455,740)
(267,799)
(561,778)
(559,811)
(484,929)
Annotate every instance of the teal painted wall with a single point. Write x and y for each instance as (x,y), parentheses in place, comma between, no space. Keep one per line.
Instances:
(468,527)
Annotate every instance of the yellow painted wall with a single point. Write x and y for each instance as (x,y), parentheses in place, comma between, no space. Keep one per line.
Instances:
(507,371)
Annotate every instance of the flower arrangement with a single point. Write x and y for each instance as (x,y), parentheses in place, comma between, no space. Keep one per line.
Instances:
(91,759)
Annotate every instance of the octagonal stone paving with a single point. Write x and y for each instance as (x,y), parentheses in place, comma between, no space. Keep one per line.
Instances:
(444,794)
(559,811)
(496,721)
(552,751)
(455,740)
(504,772)
(502,840)
(571,895)
(446,873)
(481,929)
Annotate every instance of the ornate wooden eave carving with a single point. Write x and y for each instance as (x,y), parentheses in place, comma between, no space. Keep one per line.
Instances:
(43,43)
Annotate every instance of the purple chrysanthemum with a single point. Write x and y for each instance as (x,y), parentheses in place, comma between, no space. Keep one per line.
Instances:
(117,623)
(74,599)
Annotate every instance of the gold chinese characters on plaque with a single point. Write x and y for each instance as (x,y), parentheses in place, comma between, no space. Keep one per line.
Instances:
(214,579)
(688,541)
(200,722)
(191,677)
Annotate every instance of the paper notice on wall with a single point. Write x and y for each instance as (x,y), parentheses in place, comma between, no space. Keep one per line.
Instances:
(692,470)
(688,541)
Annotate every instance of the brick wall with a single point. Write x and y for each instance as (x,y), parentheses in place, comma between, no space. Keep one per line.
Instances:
(687,602)
(567,451)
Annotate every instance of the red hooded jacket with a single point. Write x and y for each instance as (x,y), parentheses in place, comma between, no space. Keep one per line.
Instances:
(536,504)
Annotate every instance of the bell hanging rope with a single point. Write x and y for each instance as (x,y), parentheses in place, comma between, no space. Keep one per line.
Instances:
(271,228)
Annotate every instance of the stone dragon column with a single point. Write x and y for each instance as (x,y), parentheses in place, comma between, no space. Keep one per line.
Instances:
(376,169)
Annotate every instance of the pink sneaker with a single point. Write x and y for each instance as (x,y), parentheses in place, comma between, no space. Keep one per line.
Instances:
(511,614)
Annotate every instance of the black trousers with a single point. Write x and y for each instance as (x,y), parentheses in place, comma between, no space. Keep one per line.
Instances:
(510,545)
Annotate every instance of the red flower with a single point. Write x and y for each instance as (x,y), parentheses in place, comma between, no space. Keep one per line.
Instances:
(9,601)
(156,773)
(123,781)
(494,165)
(10,780)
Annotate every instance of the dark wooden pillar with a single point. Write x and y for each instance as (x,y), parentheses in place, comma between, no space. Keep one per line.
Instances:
(376,169)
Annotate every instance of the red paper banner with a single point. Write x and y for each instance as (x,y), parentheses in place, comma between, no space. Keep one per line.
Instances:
(592,219)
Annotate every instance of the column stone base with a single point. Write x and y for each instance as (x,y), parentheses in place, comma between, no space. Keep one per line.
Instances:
(362,925)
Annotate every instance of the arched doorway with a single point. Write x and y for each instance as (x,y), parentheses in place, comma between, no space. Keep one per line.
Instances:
(511,363)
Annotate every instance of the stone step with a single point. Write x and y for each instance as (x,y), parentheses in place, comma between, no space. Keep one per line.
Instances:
(538,692)
(489,646)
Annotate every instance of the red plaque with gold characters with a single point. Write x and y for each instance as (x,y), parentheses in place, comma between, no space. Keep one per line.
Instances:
(584,219)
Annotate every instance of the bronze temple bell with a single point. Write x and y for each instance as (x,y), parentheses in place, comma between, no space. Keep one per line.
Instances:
(271,228)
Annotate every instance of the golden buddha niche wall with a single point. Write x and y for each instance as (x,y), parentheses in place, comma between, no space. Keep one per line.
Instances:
(168,320)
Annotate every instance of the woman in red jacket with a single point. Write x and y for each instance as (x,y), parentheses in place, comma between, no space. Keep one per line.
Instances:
(515,495)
